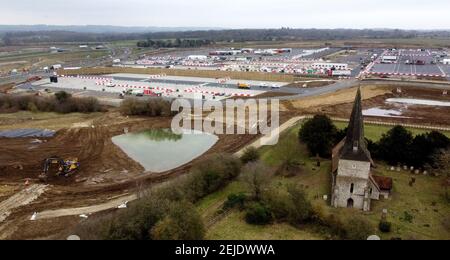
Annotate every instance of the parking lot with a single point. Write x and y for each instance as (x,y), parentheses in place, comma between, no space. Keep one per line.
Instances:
(446,69)
(407,70)
(161,85)
(409,63)
(293,61)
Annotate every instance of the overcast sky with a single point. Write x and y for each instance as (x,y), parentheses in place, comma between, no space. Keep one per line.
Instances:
(404,14)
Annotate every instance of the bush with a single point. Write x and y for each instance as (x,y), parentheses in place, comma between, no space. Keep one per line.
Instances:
(211,174)
(235,200)
(258,214)
(32,107)
(407,217)
(279,203)
(62,96)
(60,103)
(358,228)
(289,205)
(301,209)
(334,223)
(251,154)
(257,176)
(151,107)
(385,226)
(130,224)
(182,223)
(319,134)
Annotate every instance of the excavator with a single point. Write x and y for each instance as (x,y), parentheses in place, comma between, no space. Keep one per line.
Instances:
(66,167)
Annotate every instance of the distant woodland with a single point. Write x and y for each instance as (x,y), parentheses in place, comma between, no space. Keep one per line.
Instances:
(208,36)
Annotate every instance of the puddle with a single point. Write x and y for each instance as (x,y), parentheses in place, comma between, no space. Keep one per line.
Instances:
(424,102)
(23,133)
(380,112)
(161,150)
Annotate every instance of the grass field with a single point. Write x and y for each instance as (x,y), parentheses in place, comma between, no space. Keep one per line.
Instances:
(53,121)
(232,227)
(39,59)
(425,201)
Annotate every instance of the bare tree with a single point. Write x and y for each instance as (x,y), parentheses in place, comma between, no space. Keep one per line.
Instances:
(257,177)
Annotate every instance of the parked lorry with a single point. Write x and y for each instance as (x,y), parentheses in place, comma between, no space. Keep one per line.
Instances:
(420,62)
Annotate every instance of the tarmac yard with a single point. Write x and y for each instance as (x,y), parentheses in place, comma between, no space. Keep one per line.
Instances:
(406,65)
(165,86)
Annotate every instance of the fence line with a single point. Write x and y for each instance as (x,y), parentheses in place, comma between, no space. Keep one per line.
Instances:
(426,127)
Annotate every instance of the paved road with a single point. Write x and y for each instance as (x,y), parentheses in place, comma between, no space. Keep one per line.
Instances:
(308,92)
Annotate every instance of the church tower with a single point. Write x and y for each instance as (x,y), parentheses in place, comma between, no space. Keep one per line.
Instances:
(353,185)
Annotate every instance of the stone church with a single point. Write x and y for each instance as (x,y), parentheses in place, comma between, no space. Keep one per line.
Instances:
(353,185)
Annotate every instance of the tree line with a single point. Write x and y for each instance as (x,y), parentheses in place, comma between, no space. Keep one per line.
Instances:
(290,34)
(397,146)
(239,35)
(60,102)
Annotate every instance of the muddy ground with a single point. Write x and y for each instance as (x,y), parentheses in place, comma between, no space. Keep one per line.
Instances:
(102,162)
(105,172)
(412,114)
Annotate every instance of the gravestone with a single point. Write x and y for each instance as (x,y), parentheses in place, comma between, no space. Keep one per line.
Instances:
(384,214)
(73,238)
(374,238)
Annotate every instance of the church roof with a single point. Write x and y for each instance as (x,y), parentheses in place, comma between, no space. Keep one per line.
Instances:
(385,183)
(355,147)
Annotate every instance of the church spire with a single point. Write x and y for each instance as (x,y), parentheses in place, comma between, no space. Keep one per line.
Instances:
(355,147)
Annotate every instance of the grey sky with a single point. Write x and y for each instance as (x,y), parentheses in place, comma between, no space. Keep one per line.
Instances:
(405,14)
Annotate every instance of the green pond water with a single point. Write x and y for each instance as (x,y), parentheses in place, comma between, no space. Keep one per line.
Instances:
(161,150)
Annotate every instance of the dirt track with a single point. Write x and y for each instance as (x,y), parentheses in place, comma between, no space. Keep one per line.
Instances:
(19,199)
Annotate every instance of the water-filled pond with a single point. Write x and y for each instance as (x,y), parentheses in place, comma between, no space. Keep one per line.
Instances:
(161,150)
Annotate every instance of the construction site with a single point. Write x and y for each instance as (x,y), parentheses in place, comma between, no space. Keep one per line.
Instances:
(57,170)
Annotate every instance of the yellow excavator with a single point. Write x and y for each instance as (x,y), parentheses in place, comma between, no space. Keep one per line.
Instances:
(65,167)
